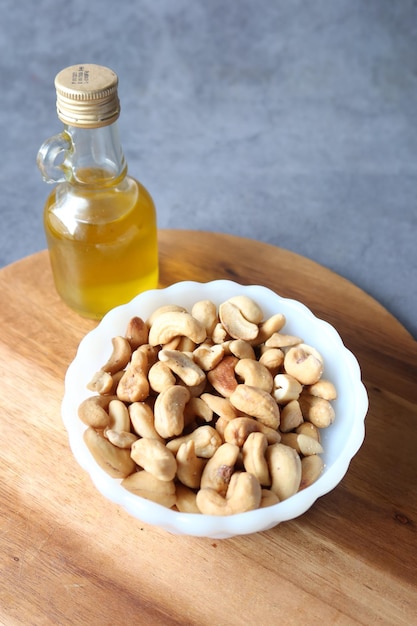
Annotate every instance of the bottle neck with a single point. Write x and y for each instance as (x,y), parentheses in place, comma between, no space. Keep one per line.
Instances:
(95,155)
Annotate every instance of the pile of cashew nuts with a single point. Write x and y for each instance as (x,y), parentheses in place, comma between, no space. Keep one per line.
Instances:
(215,410)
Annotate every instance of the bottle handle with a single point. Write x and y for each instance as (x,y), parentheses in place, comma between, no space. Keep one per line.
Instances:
(52,158)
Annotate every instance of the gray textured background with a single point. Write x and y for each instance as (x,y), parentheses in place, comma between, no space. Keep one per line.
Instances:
(288,121)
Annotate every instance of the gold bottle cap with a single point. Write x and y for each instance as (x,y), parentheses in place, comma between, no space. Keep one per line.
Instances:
(87,96)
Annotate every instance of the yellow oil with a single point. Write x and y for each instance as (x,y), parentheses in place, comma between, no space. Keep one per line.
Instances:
(102,242)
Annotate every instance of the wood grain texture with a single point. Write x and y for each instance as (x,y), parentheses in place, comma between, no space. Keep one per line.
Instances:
(70,557)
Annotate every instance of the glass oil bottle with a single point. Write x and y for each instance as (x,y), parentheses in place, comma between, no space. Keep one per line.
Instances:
(100,223)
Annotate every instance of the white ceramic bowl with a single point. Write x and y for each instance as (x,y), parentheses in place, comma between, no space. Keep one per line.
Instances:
(340,441)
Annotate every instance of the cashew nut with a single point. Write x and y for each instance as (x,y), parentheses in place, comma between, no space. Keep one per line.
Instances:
(142,418)
(172,324)
(119,416)
(151,353)
(236,325)
(219,468)
(291,416)
(133,385)
(205,311)
(222,377)
(101,382)
(311,468)
(285,469)
(118,431)
(120,439)
(257,403)
(93,411)
(146,485)
(185,499)
(136,332)
(254,459)
(279,340)
(189,465)
(309,445)
(303,444)
(307,428)
(248,307)
(272,358)
(316,410)
(207,356)
(117,462)
(120,355)
(220,406)
(209,502)
(160,377)
(286,388)
(323,389)
(240,348)
(155,458)
(243,494)
(206,440)
(304,363)
(169,411)
(254,374)
(196,408)
(237,430)
(270,326)
(219,334)
(183,366)
(268,498)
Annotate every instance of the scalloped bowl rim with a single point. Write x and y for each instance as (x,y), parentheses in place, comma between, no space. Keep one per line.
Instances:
(347,433)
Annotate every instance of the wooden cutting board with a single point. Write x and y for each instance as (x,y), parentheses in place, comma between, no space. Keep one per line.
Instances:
(68,556)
